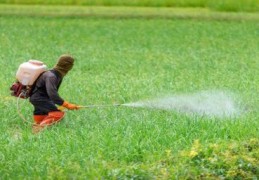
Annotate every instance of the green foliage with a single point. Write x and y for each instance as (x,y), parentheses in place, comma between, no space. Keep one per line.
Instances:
(222,5)
(233,160)
(227,160)
(123,12)
(233,5)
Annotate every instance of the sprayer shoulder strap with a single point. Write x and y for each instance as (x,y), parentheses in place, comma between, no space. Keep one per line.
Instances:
(58,76)
(34,88)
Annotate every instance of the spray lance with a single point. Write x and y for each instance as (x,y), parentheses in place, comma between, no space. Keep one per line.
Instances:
(100,106)
(93,106)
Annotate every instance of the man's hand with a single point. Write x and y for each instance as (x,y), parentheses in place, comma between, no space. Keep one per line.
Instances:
(70,106)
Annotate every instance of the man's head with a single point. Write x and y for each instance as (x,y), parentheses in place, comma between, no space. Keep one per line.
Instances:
(64,64)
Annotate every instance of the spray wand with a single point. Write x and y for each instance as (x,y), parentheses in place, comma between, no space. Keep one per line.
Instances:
(100,106)
(93,106)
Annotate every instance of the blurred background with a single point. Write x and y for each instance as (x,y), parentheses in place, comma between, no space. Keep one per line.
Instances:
(219,5)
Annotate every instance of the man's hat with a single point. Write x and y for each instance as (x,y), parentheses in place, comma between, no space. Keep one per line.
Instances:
(64,64)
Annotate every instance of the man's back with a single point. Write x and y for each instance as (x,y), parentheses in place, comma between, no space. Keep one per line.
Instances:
(46,88)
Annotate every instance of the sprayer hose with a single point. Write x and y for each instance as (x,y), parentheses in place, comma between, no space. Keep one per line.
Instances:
(19,109)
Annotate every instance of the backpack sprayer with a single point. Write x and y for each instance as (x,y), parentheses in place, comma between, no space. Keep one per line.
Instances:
(26,77)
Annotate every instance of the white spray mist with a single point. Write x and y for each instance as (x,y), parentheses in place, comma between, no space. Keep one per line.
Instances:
(209,103)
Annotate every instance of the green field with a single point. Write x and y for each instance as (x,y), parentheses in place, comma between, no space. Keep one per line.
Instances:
(123,60)
(218,5)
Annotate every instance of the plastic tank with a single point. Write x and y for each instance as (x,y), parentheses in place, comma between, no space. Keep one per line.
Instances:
(29,71)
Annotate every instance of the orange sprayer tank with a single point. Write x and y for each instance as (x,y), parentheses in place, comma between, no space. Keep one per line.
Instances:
(29,71)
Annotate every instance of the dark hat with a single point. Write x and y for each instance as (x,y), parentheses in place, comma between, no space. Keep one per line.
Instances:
(64,64)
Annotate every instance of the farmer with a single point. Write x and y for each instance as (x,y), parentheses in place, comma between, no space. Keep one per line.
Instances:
(45,95)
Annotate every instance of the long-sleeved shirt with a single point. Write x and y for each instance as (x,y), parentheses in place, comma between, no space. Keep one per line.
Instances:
(46,88)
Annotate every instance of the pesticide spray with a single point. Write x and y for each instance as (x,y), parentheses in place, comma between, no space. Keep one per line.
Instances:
(206,103)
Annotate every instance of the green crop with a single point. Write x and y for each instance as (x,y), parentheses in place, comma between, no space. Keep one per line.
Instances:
(221,5)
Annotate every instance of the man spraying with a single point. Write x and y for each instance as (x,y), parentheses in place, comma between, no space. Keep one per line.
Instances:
(45,95)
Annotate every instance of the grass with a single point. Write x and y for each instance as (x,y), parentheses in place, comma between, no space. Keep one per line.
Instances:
(219,5)
(124,12)
(121,60)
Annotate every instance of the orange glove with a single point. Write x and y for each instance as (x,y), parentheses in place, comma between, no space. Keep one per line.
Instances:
(70,106)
